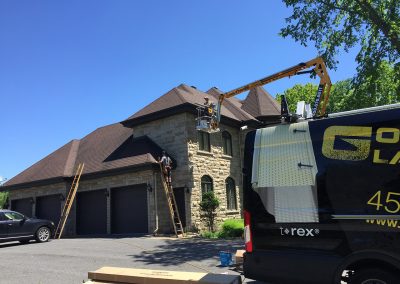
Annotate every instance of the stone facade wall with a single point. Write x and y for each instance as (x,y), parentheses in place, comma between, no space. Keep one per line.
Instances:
(178,136)
(219,167)
(171,135)
(38,191)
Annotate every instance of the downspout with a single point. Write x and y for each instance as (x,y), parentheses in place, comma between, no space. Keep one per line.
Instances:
(241,129)
(155,202)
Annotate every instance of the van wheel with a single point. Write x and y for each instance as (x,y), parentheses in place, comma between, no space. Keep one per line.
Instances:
(43,234)
(373,276)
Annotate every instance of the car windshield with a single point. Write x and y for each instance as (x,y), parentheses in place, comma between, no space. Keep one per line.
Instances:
(14,215)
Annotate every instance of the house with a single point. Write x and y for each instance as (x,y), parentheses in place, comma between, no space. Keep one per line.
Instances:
(120,190)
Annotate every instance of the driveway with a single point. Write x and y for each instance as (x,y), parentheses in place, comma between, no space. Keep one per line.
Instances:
(69,260)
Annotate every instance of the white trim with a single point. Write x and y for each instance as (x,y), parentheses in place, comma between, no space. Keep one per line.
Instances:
(364,110)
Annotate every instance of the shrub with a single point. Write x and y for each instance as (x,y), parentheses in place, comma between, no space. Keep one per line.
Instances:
(209,235)
(209,203)
(232,228)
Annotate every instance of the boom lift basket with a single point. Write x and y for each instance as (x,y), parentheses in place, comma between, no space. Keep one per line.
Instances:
(205,122)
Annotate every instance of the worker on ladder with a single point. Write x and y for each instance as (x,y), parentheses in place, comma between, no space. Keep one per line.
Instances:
(166,164)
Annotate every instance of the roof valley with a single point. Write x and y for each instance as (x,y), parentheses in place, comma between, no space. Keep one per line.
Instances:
(71,159)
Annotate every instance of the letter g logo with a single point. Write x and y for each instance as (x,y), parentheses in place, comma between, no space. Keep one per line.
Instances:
(362,145)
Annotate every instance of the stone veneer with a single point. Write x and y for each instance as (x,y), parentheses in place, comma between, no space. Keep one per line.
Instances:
(178,136)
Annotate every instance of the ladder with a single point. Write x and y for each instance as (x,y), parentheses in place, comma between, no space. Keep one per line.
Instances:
(68,202)
(173,208)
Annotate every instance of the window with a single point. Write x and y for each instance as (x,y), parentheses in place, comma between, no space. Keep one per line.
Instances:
(230,194)
(206,184)
(204,141)
(14,216)
(227,143)
(2,217)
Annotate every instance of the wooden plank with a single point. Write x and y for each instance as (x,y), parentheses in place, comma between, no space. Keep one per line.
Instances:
(146,276)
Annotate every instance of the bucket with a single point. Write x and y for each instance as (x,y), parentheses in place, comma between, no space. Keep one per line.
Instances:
(225,258)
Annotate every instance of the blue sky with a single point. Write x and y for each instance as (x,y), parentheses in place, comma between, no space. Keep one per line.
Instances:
(68,67)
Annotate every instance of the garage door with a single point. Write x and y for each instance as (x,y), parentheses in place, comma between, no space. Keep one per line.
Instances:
(91,212)
(49,207)
(23,206)
(129,210)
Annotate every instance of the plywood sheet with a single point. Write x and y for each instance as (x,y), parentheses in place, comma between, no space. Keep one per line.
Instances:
(146,276)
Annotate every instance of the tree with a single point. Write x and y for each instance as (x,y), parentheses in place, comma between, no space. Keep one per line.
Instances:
(299,93)
(345,95)
(3,199)
(341,93)
(209,203)
(343,24)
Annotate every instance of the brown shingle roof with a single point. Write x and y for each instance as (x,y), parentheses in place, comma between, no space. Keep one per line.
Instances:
(106,148)
(98,145)
(260,104)
(233,104)
(57,164)
(180,96)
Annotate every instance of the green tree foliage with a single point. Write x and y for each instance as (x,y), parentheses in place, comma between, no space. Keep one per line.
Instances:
(335,25)
(299,93)
(3,199)
(341,94)
(209,203)
(346,95)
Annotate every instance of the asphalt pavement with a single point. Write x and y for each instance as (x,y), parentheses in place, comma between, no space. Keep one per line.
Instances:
(69,260)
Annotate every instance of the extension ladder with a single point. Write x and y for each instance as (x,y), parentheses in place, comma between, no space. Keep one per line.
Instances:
(173,208)
(68,202)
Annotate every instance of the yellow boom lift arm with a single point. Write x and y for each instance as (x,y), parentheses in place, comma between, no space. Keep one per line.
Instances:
(315,65)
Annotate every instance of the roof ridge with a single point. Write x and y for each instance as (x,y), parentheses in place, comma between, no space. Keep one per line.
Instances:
(71,159)
(271,99)
(258,98)
(178,92)
(275,105)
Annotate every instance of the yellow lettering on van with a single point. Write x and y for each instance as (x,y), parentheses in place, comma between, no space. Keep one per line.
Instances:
(395,160)
(390,140)
(362,145)
(377,159)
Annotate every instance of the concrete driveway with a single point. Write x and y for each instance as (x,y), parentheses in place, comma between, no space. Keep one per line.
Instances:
(68,260)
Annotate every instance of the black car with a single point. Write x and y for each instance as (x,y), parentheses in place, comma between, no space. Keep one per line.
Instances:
(15,226)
